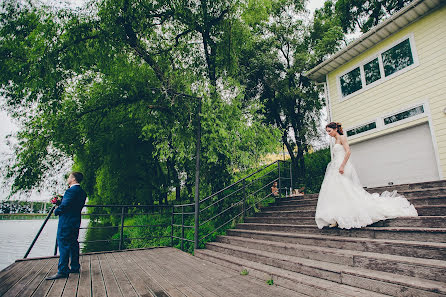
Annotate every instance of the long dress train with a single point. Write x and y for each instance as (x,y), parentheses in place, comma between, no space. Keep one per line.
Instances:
(343,200)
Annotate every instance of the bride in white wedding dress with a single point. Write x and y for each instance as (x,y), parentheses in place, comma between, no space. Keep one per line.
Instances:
(342,200)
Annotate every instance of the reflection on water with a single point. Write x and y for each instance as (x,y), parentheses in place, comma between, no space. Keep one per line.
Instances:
(17,235)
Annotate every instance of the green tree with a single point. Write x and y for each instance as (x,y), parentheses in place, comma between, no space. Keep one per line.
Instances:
(116,90)
(273,69)
(364,14)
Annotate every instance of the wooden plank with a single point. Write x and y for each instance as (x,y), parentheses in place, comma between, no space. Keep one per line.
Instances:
(240,285)
(189,264)
(205,276)
(45,285)
(57,288)
(97,281)
(11,269)
(26,279)
(111,284)
(84,286)
(167,267)
(122,280)
(226,278)
(157,274)
(127,267)
(153,265)
(15,277)
(149,279)
(72,283)
(38,279)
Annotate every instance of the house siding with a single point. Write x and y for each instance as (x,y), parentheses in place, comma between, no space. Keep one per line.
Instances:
(425,83)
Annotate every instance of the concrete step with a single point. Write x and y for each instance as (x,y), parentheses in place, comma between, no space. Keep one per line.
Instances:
(411,248)
(423,221)
(281,220)
(377,281)
(409,266)
(414,186)
(308,211)
(439,191)
(405,189)
(398,233)
(415,200)
(301,283)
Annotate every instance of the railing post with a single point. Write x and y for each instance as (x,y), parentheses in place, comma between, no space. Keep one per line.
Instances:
(197,177)
(55,247)
(40,231)
(280,183)
(172,222)
(197,223)
(244,200)
(291,176)
(121,236)
(182,227)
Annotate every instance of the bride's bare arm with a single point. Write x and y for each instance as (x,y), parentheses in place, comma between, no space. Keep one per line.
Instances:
(347,153)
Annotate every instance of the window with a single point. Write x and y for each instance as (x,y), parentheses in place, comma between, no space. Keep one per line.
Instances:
(371,71)
(404,115)
(351,82)
(361,129)
(387,63)
(397,58)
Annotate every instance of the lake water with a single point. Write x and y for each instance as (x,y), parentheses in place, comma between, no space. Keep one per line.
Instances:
(17,235)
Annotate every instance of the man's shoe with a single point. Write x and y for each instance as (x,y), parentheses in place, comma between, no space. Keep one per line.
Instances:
(74,271)
(57,276)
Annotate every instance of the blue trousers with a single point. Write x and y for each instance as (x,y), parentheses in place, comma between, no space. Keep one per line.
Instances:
(68,248)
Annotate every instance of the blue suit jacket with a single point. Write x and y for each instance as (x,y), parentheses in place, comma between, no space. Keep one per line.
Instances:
(69,211)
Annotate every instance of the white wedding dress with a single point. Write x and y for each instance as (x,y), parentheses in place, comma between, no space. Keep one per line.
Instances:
(343,200)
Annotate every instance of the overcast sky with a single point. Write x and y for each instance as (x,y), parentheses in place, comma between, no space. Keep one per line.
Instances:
(7,126)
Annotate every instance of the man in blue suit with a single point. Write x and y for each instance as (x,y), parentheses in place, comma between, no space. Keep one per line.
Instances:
(69,212)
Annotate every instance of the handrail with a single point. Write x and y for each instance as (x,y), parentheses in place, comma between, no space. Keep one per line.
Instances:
(237,182)
(138,206)
(246,197)
(221,199)
(40,231)
(278,177)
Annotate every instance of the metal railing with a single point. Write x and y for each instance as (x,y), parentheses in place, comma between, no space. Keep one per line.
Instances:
(174,225)
(229,206)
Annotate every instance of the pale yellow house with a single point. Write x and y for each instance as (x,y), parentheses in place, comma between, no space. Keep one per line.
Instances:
(388,89)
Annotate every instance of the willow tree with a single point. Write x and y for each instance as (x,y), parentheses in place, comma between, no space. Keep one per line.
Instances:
(114,88)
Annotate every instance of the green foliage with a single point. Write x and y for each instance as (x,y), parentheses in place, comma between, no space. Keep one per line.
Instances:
(273,71)
(244,272)
(364,14)
(116,91)
(270,282)
(315,164)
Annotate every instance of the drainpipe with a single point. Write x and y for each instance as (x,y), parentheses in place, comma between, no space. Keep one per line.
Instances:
(327,103)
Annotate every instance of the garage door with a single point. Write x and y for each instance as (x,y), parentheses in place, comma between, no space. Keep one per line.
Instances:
(405,156)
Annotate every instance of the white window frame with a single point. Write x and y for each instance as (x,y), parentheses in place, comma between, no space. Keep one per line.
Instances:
(365,132)
(383,78)
(406,120)
(380,126)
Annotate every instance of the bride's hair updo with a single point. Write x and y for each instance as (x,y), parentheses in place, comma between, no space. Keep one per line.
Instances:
(336,126)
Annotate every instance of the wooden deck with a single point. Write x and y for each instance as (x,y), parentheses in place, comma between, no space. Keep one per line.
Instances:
(147,272)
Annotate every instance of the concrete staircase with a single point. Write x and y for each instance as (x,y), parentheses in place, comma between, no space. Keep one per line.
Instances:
(399,257)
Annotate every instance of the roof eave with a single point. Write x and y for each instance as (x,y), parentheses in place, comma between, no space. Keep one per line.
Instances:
(375,35)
